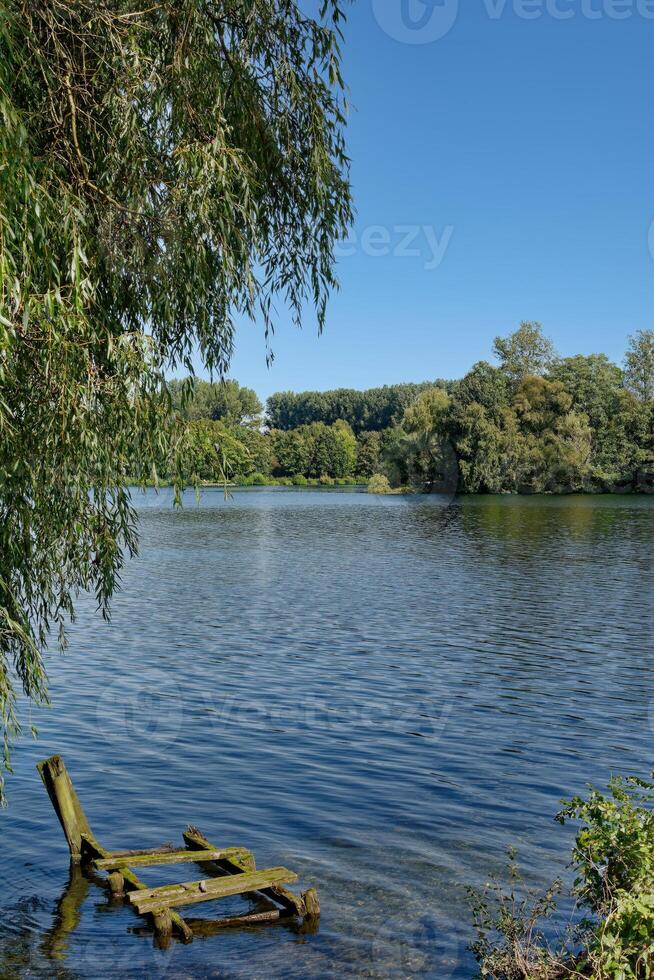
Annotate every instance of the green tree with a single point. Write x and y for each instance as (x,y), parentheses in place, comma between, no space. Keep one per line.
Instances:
(557,441)
(624,448)
(259,449)
(428,413)
(597,389)
(236,405)
(211,452)
(639,365)
(526,351)
(346,449)
(163,168)
(481,449)
(292,451)
(372,410)
(379,485)
(539,404)
(225,400)
(424,460)
(594,383)
(487,386)
(368,454)
(315,450)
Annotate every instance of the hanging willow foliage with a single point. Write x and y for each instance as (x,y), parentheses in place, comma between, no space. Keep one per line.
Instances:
(165,167)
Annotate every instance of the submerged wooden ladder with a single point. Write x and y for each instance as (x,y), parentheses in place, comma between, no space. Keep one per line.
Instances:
(230,871)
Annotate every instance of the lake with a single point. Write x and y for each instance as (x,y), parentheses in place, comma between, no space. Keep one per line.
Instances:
(381,693)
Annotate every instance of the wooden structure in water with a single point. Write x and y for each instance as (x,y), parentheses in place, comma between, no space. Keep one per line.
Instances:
(227,871)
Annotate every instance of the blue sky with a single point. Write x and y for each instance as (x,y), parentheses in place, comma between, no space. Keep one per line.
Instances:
(519,153)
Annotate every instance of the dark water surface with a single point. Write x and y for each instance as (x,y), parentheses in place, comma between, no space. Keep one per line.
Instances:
(379,693)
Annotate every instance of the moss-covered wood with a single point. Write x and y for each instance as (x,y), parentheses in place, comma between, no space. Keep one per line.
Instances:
(83,845)
(312,903)
(196,841)
(192,892)
(116,884)
(170,857)
(234,867)
(66,804)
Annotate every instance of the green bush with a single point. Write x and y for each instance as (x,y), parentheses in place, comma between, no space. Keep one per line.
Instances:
(379,484)
(299,480)
(326,481)
(613,860)
(259,479)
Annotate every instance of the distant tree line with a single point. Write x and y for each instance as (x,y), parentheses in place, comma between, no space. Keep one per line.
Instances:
(531,422)
(364,411)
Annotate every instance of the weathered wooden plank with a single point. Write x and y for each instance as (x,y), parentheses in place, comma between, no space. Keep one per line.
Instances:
(196,841)
(81,841)
(166,857)
(66,805)
(192,892)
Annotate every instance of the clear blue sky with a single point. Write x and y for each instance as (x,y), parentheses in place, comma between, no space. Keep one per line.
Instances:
(530,139)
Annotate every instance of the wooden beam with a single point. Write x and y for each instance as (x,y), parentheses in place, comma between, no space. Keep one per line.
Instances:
(196,841)
(312,903)
(192,892)
(66,805)
(167,857)
(163,923)
(117,884)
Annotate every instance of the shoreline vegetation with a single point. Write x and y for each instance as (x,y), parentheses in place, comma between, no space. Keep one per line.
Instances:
(534,423)
(610,935)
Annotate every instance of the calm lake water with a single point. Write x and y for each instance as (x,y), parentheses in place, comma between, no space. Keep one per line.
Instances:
(379,693)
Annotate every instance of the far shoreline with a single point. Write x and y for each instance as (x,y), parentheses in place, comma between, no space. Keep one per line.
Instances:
(397,492)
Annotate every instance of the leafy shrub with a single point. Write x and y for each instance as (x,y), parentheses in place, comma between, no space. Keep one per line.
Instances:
(299,480)
(613,860)
(259,479)
(379,484)
(326,481)
(510,943)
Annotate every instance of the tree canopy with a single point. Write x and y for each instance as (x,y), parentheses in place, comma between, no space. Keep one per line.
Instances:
(580,423)
(164,168)
(526,351)
(364,411)
(225,401)
(639,365)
